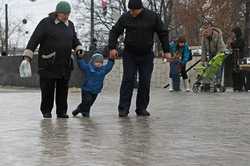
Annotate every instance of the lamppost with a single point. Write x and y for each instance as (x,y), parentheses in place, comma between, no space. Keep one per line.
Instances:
(24,21)
(247,27)
(6,31)
(92,29)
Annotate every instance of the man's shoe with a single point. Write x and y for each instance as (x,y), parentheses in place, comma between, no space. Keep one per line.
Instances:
(123,114)
(75,112)
(63,116)
(85,114)
(142,113)
(47,116)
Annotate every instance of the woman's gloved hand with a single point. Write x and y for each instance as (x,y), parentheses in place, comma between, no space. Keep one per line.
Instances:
(80,53)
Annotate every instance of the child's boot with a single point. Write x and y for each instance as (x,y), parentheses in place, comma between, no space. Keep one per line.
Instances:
(171,89)
(186,85)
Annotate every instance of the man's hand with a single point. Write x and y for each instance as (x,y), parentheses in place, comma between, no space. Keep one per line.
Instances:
(80,53)
(113,54)
(112,57)
(166,55)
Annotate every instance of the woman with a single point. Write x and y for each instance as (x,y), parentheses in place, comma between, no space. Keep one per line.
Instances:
(57,37)
(179,47)
(236,43)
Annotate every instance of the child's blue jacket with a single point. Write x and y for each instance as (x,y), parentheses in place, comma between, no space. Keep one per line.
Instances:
(185,52)
(94,77)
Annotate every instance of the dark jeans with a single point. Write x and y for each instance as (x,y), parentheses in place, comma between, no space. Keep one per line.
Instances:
(183,72)
(238,80)
(48,87)
(131,65)
(88,100)
(176,69)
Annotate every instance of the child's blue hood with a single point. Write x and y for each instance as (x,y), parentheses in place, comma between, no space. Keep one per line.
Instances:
(96,57)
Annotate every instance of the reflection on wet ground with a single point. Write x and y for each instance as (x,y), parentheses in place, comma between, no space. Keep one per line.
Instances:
(184,129)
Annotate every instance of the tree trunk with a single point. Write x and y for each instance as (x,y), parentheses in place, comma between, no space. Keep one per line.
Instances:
(236,8)
(247,28)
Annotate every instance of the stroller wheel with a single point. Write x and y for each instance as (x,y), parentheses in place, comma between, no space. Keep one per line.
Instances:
(222,89)
(196,87)
(205,87)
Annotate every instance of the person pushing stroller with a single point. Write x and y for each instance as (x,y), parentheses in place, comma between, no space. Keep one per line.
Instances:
(212,45)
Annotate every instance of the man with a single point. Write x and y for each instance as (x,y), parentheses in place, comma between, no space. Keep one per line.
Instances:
(57,37)
(212,44)
(140,25)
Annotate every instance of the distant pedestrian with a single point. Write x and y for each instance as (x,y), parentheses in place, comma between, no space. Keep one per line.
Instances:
(237,44)
(212,44)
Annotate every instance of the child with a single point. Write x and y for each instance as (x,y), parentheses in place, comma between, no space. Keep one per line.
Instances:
(175,69)
(95,73)
(180,48)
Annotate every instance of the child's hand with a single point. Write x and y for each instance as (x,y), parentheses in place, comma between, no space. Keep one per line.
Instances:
(170,60)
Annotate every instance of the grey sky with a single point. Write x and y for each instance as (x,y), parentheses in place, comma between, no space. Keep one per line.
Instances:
(33,11)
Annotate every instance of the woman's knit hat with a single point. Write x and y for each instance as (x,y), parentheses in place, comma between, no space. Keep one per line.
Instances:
(63,7)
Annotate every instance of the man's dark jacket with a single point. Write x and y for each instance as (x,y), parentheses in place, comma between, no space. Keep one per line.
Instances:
(139,34)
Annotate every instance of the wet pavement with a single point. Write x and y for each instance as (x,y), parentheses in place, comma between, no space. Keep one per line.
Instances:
(184,130)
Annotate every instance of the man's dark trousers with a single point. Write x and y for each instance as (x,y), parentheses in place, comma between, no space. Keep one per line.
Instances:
(48,87)
(133,63)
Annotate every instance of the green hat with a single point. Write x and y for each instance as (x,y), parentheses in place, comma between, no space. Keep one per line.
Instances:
(63,7)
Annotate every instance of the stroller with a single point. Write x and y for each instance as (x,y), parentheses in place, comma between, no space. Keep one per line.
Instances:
(206,75)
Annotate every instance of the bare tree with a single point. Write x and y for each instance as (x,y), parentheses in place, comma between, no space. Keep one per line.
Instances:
(15,28)
(190,14)
(105,21)
(247,29)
